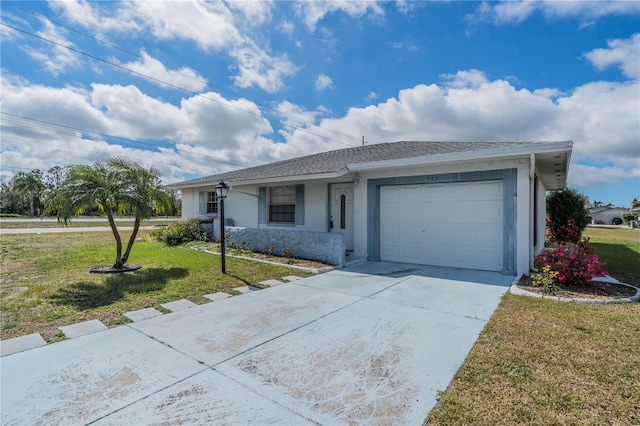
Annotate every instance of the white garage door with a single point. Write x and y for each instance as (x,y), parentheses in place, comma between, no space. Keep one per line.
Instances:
(456,224)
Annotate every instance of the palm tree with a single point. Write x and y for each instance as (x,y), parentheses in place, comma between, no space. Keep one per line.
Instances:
(117,186)
(144,194)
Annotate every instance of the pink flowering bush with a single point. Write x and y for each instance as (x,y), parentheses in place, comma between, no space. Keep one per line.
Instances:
(574,264)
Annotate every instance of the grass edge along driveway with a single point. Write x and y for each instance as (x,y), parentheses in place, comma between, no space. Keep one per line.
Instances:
(543,362)
(46,283)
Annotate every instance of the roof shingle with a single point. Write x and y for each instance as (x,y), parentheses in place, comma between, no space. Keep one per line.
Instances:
(334,161)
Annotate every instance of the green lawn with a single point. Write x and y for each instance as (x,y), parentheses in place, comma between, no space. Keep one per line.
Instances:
(46,283)
(79,222)
(620,249)
(541,362)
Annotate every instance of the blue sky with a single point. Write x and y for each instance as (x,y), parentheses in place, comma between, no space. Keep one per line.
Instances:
(196,88)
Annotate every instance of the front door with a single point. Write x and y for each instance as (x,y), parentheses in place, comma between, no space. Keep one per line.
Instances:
(342,211)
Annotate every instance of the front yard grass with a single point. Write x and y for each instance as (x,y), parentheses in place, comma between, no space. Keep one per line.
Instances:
(542,362)
(620,248)
(45,280)
(79,222)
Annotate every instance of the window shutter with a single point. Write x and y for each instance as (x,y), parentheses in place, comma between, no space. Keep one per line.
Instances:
(262,205)
(299,204)
(203,200)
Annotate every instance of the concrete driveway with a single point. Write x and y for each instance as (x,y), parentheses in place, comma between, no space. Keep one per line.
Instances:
(373,344)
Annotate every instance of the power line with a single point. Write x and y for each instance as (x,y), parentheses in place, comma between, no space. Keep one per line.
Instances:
(275,121)
(68,148)
(114,46)
(103,135)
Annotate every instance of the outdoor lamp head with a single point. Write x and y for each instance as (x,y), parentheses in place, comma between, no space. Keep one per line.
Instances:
(222,189)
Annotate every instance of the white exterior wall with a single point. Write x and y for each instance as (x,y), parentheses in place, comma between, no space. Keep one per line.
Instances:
(315,207)
(523,213)
(189,209)
(542,217)
(607,216)
(241,205)
(242,202)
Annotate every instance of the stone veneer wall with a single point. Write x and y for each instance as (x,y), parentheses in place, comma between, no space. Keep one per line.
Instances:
(321,246)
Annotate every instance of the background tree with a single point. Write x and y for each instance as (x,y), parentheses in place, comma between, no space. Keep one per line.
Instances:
(115,187)
(566,209)
(31,186)
(10,201)
(635,203)
(176,200)
(54,177)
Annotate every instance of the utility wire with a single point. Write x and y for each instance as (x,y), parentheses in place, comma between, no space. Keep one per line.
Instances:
(103,135)
(68,148)
(78,51)
(206,83)
(115,46)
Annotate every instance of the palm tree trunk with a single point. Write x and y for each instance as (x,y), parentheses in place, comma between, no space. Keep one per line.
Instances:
(32,204)
(132,239)
(119,263)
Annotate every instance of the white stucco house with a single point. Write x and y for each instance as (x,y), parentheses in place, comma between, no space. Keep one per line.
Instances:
(608,215)
(476,205)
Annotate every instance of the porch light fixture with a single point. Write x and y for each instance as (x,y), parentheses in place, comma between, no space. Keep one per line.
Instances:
(356,179)
(221,192)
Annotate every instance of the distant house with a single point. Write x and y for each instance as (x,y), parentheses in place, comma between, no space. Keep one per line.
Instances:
(475,205)
(607,215)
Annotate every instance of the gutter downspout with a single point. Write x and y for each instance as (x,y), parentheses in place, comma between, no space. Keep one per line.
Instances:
(532,179)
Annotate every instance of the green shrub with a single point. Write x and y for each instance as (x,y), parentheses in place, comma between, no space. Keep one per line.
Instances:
(9,215)
(628,217)
(182,232)
(565,206)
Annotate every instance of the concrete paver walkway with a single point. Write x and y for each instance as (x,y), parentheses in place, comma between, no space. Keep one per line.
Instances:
(371,344)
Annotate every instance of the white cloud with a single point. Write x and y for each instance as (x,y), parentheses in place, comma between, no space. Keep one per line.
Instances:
(586,175)
(470,78)
(548,93)
(286,27)
(372,96)
(407,6)
(601,118)
(54,57)
(313,12)
(212,26)
(185,78)
(258,67)
(323,82)
(517,11)
(622,52)
(99,19)
(209,133)
(255,12)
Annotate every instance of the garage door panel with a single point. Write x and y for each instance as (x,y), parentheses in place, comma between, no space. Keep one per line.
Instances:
(403,253)
(456,225)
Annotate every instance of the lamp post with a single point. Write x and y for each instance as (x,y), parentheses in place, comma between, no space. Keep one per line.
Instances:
(221,193)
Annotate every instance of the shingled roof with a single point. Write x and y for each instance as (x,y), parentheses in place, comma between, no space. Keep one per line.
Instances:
(335,161)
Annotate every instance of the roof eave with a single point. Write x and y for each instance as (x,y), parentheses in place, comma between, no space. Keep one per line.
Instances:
(281,179)
(293,178)
(511,151)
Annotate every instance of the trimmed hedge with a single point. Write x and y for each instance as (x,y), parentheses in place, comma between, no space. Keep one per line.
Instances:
(182,232)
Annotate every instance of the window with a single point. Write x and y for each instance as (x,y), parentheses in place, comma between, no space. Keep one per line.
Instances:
(212,203)
(208,203)
(282,204)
